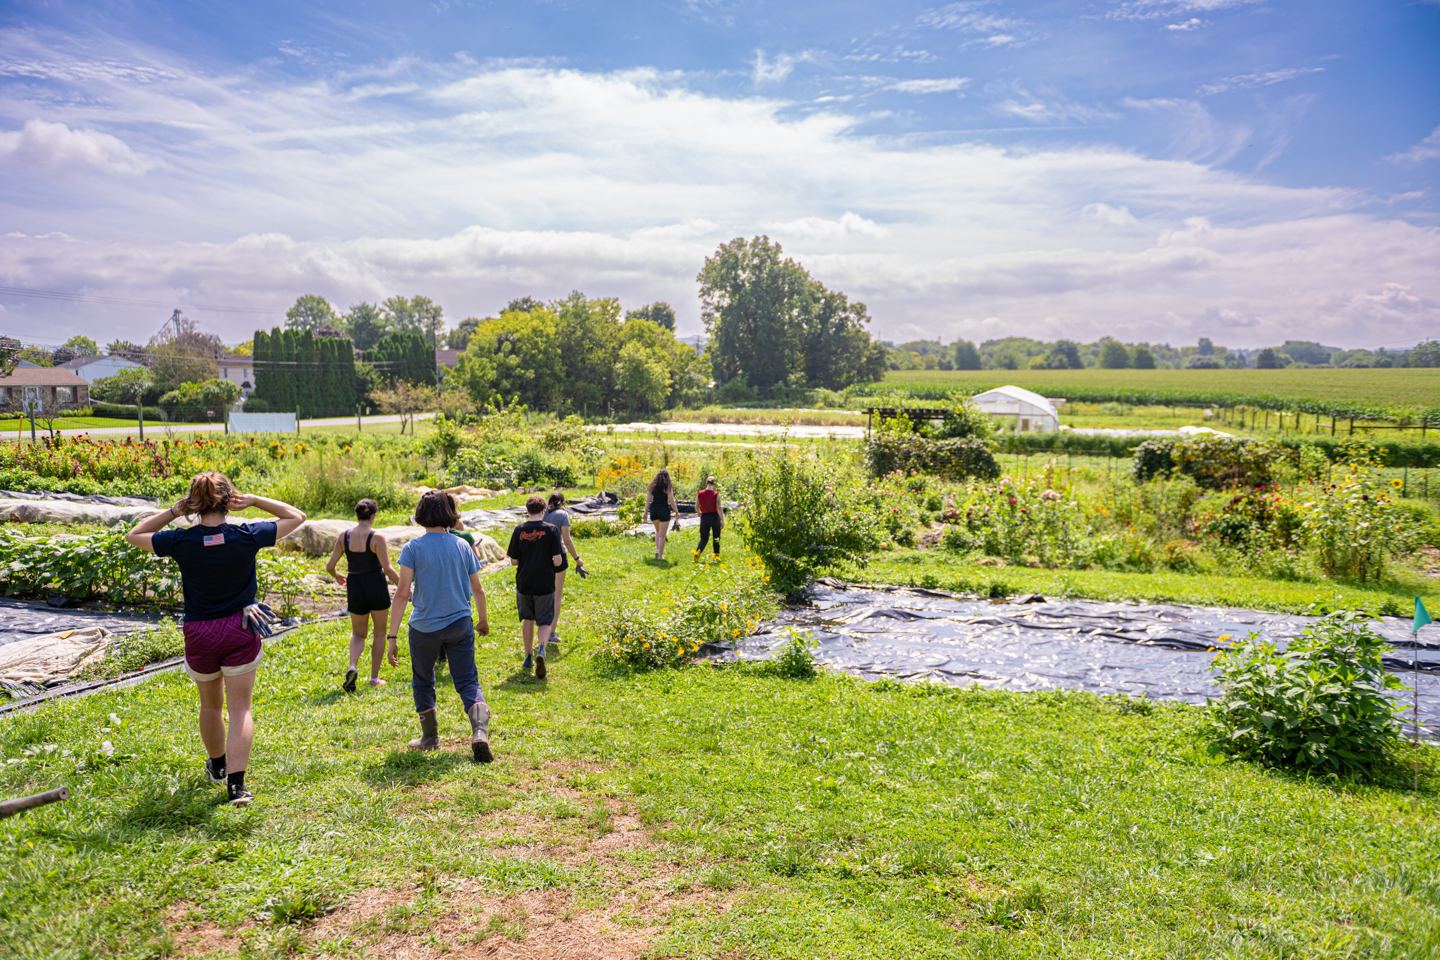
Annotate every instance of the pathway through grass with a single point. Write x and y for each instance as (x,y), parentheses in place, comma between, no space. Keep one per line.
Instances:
(705,812)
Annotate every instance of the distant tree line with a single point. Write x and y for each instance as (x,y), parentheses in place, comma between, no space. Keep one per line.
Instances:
(297,370)
(1024,353)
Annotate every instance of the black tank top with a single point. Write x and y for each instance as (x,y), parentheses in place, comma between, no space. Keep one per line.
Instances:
(361,561)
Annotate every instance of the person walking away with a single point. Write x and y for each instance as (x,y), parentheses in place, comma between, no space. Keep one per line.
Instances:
(712,516)
(441,574)
(660,506)
(367,567)
(557,516)
(536,553)
(466,535)
(217,577)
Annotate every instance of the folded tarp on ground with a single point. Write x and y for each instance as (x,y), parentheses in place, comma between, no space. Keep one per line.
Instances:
(20,620)
(52,656)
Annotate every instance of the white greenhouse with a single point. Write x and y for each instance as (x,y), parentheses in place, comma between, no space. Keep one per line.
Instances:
(1018,408)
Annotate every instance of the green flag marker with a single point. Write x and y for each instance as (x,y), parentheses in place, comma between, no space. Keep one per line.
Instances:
(1422,617)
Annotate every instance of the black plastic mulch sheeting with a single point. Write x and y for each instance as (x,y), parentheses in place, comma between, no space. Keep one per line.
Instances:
(77,498)
(19,620)
(1152,650)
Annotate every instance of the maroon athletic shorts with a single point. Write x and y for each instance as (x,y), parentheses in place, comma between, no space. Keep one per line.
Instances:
(216,647)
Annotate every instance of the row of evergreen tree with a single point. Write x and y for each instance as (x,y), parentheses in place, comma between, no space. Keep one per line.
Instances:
(314,376)
(403,355)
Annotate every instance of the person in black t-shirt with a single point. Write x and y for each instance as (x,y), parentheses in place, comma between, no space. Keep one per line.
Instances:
(536,552)
(217,576)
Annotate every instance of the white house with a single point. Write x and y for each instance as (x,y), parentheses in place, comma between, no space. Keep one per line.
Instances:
(98,368)
(1018,408)
(239,371)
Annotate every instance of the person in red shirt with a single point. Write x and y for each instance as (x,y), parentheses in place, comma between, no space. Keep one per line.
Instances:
(712,516)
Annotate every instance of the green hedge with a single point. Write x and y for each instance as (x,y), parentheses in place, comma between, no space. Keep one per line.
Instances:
(1415,454)
(953,459)
(121,411)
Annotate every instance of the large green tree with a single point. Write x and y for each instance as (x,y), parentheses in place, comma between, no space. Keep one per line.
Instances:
(1114,356)
(366,324)
(516,356)
(416,315)
(659,313)
(589,342)
(309,313)
(966,356)
(642,377)
(772,325)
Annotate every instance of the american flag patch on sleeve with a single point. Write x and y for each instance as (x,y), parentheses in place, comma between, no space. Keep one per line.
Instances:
(215,540)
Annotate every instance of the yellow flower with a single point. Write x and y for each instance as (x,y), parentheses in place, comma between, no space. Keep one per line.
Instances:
(1397,483)
(647,644)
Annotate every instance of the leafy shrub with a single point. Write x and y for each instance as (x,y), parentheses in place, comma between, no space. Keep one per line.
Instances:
(1215,462)
(1352,524)
(800,514)
(1319,705)
(890,450)
(725,601)
(281,579)
(83,567)
(1025,518)
(796,659)
(256,405)
(125,412)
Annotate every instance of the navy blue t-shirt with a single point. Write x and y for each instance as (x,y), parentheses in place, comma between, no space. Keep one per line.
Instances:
(217,565)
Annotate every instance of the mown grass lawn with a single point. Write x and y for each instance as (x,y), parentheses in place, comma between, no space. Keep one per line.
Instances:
(707,812)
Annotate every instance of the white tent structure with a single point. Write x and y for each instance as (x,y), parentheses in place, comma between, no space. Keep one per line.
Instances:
(1018,408)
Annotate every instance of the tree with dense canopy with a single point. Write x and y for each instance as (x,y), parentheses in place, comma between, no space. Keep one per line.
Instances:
(415,315)
(772,325)
(366,324)
(82,345)
(966,356)
(309,313)
(659,313)
(1114,356)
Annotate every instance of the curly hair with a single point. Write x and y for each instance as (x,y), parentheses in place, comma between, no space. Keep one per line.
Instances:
(661,484)
(209,491)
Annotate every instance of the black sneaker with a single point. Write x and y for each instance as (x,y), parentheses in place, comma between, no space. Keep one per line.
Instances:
(215,770)
(540,670)
(351,675)
(240,797)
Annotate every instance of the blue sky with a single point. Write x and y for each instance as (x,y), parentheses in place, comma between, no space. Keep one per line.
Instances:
(1150,169)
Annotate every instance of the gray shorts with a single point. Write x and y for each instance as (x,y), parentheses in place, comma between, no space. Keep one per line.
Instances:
(539,607)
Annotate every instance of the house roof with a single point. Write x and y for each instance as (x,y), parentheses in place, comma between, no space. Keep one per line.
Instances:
(447,358)
(43,377)
(80,362)
(235,361)
(1017,395)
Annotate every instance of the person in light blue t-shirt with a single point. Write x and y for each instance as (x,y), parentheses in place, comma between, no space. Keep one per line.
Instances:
(441,574)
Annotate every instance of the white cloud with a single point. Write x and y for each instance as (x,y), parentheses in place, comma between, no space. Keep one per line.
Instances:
(497,181)
(810,228)
(764,71)
(1427,149)
(55,148)
(968,17)
(1249,81)
(1044,106)
(1194,23)
(940,85)
(1111,216)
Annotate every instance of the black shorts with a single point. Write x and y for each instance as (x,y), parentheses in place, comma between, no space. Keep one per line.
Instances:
(660,510)
(537,607)
(367,592)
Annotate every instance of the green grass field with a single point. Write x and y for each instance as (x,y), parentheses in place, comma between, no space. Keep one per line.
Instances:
(1381,388)
(700,813)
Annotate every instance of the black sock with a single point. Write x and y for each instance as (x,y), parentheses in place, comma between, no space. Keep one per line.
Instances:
(235,782)
(216,764)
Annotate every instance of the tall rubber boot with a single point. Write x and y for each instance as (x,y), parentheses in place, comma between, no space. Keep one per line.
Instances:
(429,732)
(480,732)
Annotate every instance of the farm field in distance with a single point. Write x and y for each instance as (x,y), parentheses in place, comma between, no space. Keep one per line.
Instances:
(1404,387)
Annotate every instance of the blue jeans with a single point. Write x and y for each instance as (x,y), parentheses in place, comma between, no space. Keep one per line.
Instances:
(457,640)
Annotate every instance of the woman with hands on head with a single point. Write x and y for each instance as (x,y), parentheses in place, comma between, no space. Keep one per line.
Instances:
(217,576)
(442,573)
(367,564)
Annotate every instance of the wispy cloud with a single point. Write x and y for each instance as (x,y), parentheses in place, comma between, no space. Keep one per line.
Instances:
(1427,149)
(974,18)
(1154,9)
(1249,81)
(765,71)
(1194,23)
(1044,105)
(939,85)
(847,225)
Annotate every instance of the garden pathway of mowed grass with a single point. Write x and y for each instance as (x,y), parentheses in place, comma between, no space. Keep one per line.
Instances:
(704,812)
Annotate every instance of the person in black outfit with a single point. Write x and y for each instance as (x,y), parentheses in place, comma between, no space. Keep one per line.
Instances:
(367,564)
(536,551)
(660,507)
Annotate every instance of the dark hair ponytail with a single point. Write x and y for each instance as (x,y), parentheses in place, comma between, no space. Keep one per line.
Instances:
(556,501)
(209,491)
(365,509)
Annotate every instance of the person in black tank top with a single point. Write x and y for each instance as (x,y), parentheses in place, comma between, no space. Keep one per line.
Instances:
(367,561)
